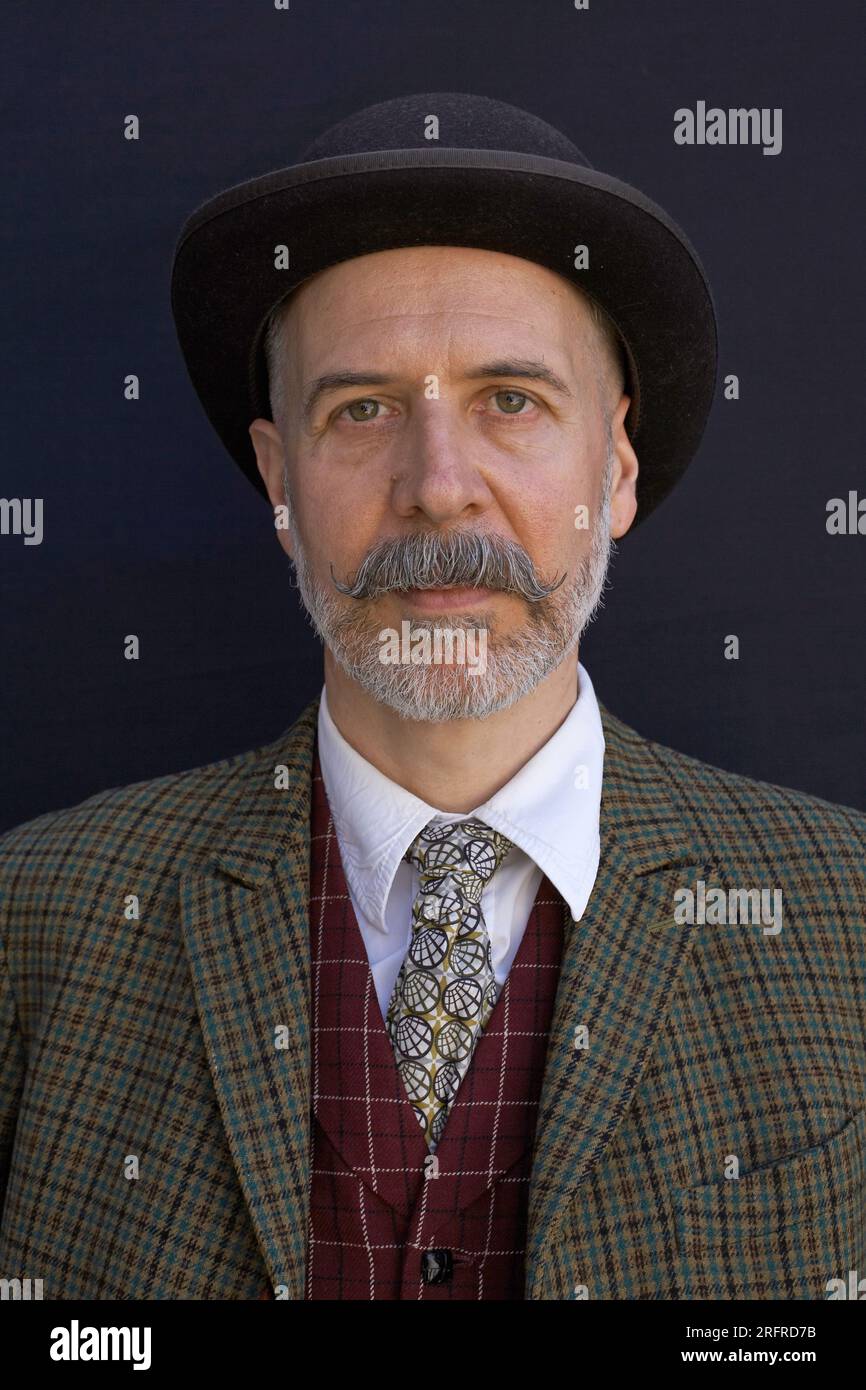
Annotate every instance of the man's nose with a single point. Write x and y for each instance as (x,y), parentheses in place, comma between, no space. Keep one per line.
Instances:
(439,472)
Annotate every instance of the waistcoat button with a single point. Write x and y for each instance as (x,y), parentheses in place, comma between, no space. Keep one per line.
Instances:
(437,1266)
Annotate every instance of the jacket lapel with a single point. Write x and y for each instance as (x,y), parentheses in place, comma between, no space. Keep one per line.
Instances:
(620,965)
(245,924)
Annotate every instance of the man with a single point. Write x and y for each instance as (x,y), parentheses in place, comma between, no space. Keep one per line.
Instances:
(461,988)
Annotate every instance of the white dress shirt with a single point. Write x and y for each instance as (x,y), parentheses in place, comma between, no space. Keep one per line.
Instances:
(549,808)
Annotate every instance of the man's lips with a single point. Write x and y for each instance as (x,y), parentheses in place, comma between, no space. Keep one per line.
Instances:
(450,597)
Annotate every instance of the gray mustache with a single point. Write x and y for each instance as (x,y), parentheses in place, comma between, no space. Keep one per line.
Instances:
(430,561)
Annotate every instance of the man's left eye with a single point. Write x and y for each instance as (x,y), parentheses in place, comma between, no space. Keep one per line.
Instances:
(512,402)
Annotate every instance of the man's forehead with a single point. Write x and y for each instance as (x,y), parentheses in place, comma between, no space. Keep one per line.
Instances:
(453,337)
(431,280)
(442,314)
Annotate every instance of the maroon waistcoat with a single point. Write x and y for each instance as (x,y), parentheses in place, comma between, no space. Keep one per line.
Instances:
(378,1199)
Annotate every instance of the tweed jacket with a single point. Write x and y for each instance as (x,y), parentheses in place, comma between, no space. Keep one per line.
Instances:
(701,1128)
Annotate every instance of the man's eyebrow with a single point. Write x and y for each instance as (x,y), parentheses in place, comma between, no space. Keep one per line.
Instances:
(521,367)
(334,381)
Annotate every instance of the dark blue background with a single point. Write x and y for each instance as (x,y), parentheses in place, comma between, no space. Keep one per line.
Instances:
(151,529)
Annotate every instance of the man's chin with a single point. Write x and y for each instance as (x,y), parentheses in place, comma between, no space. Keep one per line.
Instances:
(482,682)
(442,699)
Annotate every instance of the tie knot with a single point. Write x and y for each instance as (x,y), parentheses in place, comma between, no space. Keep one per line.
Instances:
(466,850)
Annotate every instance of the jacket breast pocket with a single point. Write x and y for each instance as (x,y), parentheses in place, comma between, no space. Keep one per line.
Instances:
(784,1230)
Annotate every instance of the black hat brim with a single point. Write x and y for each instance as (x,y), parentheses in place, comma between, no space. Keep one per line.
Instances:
(642,271)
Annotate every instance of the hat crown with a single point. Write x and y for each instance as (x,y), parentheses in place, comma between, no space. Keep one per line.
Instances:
(465,121)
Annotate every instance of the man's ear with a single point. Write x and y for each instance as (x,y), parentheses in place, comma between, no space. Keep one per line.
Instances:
(270,457)
(623,497)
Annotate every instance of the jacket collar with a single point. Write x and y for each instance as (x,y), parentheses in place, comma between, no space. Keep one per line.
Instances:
(244,920)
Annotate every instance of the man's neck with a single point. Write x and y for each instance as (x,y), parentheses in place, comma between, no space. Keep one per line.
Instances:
(457,765)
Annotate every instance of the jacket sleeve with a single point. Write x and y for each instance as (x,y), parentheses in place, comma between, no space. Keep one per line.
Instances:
(12,1068)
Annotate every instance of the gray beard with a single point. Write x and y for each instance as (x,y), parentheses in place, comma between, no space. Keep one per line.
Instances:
(516,663)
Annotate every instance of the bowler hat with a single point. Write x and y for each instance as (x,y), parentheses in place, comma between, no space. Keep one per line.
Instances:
(494,177)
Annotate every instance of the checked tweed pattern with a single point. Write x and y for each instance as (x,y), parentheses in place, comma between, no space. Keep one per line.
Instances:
(446,989)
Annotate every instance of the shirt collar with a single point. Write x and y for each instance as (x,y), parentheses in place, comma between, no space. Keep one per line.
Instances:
(549,808)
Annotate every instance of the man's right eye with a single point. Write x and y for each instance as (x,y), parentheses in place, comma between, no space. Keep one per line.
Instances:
(365,404)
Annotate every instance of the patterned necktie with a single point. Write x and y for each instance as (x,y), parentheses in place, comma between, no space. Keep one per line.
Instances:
(446,989)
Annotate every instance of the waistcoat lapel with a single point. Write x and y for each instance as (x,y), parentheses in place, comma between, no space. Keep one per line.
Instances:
(360,1100)
(620,965)
(245,925)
